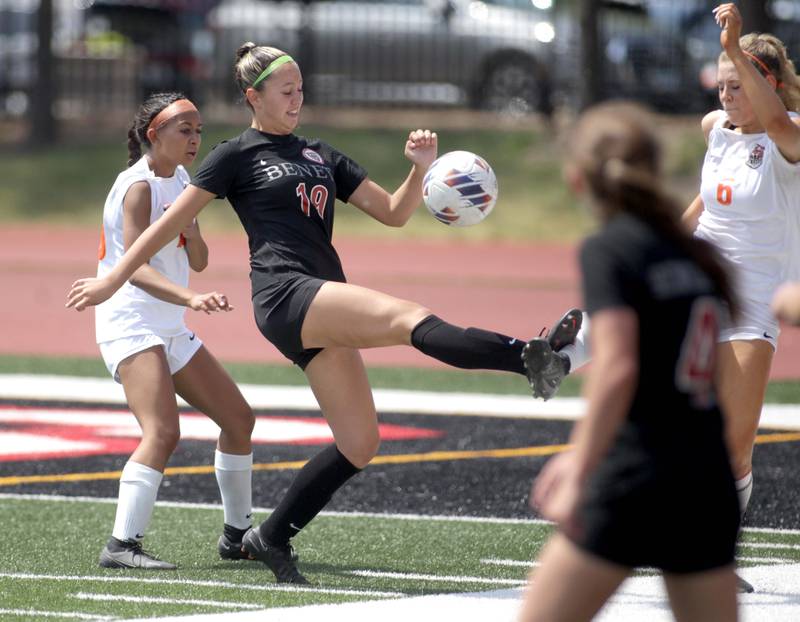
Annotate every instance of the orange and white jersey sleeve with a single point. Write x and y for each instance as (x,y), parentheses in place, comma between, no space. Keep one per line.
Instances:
(132,311)
(751,196)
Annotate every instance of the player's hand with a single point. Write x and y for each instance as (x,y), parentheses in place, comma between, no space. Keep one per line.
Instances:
(557,492)
(191,231)
(422,148)
(786,303)
(210,302)
(729,19)
(89,292)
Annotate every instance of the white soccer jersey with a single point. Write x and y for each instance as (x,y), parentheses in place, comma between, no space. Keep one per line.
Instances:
(751,196)
(132,311)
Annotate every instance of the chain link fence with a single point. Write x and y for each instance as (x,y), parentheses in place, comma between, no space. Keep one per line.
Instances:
(515,57)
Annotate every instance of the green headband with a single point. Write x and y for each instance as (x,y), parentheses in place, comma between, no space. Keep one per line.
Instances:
(281,60)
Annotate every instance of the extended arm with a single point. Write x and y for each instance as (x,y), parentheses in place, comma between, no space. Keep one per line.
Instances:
(92,291)
(760,90)
(395,209)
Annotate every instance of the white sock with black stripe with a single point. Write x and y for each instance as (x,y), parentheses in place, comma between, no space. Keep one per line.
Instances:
(234,477)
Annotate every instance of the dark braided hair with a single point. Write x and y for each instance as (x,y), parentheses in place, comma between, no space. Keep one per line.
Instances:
(137,134)
(618,154)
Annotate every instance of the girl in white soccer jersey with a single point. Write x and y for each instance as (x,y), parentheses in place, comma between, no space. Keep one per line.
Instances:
(146,345)
(749,208)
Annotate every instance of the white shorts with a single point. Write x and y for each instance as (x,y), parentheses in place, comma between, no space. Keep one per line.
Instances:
(179,350)
(755,321)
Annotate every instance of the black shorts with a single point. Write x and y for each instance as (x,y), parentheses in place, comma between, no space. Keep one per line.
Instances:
(680,524)
(280,313)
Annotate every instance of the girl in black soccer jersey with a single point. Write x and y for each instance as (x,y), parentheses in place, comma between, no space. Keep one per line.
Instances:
(651,444)
(283,188)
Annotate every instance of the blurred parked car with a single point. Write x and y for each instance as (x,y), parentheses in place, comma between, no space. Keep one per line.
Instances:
(170,35)
(645,54)
(702,41)
(492,54)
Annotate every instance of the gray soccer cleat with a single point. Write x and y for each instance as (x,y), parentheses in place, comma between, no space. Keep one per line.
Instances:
(277,558)
(544,367)
(132,556)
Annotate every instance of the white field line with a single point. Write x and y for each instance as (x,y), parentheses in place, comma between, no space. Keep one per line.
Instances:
(407,576)
(509,562)
(105,390)
(164,601)
(764,560)
(270,587)
(72,615)
(769,545)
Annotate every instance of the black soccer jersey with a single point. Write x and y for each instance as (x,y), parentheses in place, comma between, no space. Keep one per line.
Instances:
(669,453)
(283,189)
(628,264)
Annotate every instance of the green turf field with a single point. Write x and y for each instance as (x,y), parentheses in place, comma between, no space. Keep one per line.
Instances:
(60,573)
(347,558)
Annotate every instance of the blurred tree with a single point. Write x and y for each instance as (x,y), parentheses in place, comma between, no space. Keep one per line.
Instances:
(43,129)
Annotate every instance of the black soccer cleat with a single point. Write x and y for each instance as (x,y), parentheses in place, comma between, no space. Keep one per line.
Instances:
(231,550)
(130,554)
(235,550)
(277,558)
(544,367)
(743,587)
(565,331)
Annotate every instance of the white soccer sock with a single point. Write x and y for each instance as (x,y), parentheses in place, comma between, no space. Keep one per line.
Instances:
(744,488)
(138,488)
(234,477)
(578,352)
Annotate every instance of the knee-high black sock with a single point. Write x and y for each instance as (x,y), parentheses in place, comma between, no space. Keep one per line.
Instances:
(310,491)
(468,348)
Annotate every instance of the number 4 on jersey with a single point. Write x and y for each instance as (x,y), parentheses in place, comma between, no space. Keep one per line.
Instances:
(318,197)
(694,373)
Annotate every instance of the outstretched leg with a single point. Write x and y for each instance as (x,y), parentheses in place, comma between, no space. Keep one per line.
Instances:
(347,315)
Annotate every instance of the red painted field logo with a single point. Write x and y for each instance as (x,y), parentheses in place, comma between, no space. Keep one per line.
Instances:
(30,433)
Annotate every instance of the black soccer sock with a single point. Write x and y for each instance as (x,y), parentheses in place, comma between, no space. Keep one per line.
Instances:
(310,491)
(234,534)
(468,348)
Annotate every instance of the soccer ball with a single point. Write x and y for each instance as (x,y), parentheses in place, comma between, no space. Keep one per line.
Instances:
(459,189)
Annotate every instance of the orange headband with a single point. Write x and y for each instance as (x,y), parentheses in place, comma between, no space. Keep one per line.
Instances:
(763,66)
(179,106)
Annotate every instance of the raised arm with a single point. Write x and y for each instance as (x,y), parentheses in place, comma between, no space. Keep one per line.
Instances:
(92,291)
(760,90)
(395,209)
